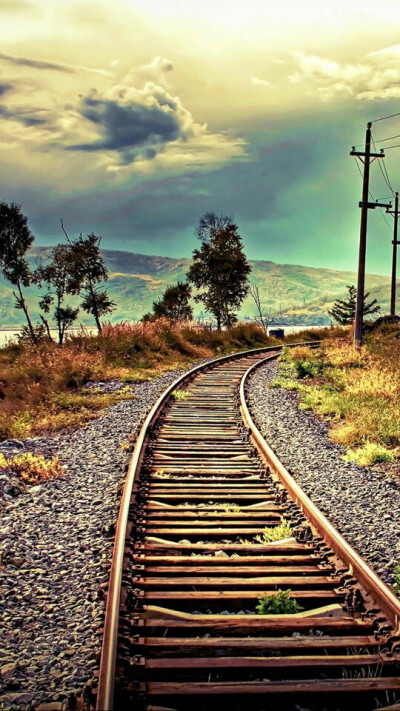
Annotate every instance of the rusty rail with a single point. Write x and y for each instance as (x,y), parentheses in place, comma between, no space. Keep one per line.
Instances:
(367,580)
(380,593)
(110,635)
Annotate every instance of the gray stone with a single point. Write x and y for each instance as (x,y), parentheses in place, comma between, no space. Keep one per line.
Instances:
(60,537)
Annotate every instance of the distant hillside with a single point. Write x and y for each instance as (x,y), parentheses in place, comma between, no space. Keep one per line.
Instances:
(296,294)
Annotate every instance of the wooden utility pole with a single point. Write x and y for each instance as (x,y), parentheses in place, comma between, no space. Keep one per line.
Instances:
(365,205)
(395,214)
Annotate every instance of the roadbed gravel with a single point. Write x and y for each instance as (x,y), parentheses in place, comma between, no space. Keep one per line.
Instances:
(363,503)
(57,546)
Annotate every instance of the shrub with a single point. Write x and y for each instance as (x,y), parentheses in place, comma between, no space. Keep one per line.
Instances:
(33,469)
(280,604)
(369,454)
(276,533)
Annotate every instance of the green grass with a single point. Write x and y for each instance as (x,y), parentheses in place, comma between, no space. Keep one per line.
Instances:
(280,604)
(369,454)
(358,392)
(181,394)
(396,581)
(275,533)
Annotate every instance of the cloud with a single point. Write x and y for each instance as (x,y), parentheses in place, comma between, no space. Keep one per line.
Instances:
(12,6)
(260,82)
(50,66)
(27,117)
(131,125)
(372,79)
(138,125)
(156,71)
(4,88)
(129,118)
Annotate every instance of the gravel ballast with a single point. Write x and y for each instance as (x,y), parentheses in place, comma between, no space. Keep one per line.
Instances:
(363,504)
(57,546)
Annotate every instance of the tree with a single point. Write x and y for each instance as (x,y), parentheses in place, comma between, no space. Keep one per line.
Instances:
(174,303)
(90,267)
(15,241)
(344,310)
(264,319)
(220,267)
(62,278)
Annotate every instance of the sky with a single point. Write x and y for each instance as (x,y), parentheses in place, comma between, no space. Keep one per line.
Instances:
(133,118)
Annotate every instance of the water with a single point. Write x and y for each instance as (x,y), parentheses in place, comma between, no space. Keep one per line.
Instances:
(7,335)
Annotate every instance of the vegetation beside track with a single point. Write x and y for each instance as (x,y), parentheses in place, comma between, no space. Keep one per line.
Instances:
(357,391)
(42,387)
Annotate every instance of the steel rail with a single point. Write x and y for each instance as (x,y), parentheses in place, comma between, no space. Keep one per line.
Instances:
(105,691)
(380,593)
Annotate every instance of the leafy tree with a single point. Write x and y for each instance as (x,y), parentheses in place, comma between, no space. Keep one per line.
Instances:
(220,267)
(174,303)
(62,278)
(344,310)
(15,241)
(90,267)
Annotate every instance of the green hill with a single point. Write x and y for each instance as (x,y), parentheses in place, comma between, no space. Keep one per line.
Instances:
(294,294)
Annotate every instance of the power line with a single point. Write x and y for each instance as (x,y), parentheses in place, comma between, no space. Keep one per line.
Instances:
(384,171)
(381,140)
(383,215)
(389,184)
(387,148)
(371,195)
(383,118)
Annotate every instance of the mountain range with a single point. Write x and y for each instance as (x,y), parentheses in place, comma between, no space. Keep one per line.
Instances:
(293,294)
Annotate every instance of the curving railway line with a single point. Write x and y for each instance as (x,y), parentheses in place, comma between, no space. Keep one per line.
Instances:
(181,629)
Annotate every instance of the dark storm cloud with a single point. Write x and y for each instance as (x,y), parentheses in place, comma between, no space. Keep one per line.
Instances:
(37,64)
(4,88)
(27,117)
(133,121)
(165,212)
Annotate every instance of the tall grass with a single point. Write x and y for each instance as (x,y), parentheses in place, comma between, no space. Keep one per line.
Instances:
(357,391)
(42,387)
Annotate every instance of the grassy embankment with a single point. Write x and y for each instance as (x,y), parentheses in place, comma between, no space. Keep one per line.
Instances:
(42,389)
(357,391)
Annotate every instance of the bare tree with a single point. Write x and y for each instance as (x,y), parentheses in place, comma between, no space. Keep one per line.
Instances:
(263,318)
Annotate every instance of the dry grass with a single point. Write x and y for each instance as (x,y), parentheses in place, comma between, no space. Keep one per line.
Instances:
(42,388)
(31,468)
(358,391)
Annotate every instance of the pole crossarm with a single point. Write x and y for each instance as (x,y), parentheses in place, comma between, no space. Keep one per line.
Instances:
(373,205)
(371,155)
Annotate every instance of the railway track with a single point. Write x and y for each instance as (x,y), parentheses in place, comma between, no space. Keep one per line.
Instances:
(181,629)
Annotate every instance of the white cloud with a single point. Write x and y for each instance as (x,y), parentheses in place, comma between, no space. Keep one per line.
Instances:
(156,71)
(260,82)
(123,127)
(374,78)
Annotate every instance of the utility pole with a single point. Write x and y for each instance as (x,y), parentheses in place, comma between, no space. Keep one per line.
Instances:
(364,205)
(395,214)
